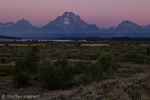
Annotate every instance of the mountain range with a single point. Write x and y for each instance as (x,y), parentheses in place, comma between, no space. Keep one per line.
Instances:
(71,25)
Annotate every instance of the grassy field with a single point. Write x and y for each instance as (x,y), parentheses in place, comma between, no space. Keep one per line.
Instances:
(121,58)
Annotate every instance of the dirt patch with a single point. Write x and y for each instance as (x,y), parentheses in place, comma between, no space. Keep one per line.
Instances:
(95,45)
(6,77)
(8,64)
(2,44)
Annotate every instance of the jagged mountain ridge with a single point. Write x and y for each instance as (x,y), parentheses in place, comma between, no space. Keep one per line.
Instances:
(128,29)
(71,25)
(20,28)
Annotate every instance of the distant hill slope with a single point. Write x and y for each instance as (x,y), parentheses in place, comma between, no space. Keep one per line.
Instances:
(7,37)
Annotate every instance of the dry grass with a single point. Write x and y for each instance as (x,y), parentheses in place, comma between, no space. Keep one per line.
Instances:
(95,45)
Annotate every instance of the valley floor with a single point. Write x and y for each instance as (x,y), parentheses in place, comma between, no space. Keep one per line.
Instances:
(129,80)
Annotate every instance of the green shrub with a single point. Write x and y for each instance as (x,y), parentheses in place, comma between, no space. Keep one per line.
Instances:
(131,56)
(32,60)
(144,97)
(45,73)
(97,70)
(77,44)
(110,71)
(3,60)
(55,76)
(6,44)
(80,67)
(148,61)
(117,94)
(139,69)
(148,51)
(135,94)
(62,62)
(139,60)
(135,70)
(106,62)
(21,79)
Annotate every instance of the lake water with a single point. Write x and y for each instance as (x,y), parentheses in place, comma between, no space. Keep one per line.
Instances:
(56,40)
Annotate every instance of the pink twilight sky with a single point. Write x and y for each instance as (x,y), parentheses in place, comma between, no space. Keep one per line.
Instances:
(103,13)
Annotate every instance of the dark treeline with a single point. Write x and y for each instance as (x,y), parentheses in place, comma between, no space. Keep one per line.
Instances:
(106,39)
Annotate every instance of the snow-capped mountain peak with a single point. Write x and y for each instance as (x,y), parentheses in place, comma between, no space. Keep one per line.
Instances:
(72,23)
(66,21)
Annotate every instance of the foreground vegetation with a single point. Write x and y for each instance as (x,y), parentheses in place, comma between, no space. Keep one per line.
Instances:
(65,65)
